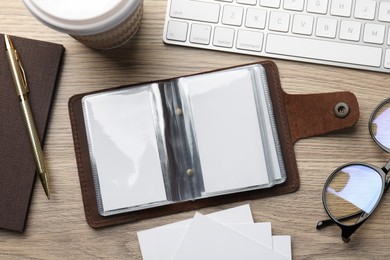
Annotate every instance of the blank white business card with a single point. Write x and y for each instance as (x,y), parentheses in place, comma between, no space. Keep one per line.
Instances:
(123,146)
(208,239)
(227,129)
(162,242)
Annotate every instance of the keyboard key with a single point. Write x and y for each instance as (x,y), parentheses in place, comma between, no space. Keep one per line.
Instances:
(247,2)
(388,36)
(324,50)
(365,9)
(249,40)
(317,6)
(232,15)
(350,30)
(374,33)
(326,27)
(296,5)
(270,3)
(279,21)
(386,64)
(200,33)
(341,8)
(223,37)
(195,10)
(303,24)
(177,31)
(384,12)
(255,18)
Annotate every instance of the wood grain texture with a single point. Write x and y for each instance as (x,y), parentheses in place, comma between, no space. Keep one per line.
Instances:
(57,229)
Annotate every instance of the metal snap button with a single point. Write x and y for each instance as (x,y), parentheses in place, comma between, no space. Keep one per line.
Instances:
(341,110)
(190,172)
(178,111)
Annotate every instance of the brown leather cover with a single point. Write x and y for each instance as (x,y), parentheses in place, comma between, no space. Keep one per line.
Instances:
(297,116)
(41,62)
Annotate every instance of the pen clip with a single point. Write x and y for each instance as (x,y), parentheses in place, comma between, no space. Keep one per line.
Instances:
(22,71)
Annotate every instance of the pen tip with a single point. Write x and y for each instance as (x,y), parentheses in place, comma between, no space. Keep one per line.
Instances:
(47,192)
(45,183)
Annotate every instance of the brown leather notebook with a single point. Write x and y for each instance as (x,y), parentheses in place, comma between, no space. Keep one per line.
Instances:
(41,62)
(295,117)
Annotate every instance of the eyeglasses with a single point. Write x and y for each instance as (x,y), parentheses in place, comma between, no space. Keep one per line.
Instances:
(353,191)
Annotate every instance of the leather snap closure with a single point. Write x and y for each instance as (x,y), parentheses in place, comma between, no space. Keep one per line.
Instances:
(341,109)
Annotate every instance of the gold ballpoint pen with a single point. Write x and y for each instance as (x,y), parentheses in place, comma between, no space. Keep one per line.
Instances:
(20,82)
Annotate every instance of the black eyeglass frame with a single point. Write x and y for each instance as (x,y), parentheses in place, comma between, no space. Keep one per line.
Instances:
(348,230)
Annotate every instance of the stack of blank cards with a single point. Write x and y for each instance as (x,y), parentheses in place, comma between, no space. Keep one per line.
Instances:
(228,234)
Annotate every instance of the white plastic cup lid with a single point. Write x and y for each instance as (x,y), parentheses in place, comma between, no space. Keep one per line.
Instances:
(81,17)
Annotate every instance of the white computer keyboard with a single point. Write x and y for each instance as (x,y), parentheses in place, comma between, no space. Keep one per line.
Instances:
(347,33)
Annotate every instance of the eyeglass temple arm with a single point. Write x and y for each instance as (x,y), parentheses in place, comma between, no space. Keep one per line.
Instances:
(324,223)
(346,231)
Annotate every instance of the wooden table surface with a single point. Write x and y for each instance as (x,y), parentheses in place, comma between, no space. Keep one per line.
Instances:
(57,229)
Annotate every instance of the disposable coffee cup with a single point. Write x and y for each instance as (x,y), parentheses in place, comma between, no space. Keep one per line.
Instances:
(99,24)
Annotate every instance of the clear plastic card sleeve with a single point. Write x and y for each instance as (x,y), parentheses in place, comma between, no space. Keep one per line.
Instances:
(190,138)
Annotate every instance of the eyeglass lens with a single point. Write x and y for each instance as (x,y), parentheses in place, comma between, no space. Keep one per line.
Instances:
(352,193)
(380,125)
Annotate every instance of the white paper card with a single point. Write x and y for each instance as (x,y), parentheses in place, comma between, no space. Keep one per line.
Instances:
(227,130)
(259,232)
(161,243)
(208,239)
(237,215)
(123,144)
(282,245)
